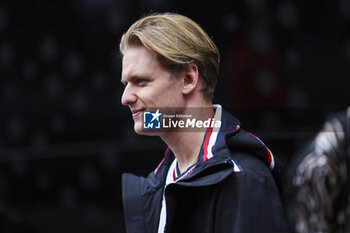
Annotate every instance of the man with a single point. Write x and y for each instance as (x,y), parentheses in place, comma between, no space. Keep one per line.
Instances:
(213,179)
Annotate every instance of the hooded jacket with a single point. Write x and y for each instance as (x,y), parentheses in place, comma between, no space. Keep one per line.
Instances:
(231,189)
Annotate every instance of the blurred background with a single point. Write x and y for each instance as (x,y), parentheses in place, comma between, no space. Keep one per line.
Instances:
(65,139)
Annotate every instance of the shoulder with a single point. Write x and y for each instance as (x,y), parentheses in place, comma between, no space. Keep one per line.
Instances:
(253,170)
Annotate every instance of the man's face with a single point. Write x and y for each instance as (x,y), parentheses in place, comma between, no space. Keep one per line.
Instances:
(147,84)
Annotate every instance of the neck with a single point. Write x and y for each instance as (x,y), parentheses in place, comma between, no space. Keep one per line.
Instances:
(187,145)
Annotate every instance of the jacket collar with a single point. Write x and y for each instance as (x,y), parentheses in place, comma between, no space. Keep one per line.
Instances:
(215,163)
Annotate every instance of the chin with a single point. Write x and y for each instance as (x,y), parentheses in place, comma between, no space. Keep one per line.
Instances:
(146,132)
(138,128)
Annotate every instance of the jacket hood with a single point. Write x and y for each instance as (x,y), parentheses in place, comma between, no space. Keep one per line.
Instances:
(240,141)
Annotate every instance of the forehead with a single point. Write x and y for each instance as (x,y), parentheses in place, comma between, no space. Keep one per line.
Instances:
(139,61)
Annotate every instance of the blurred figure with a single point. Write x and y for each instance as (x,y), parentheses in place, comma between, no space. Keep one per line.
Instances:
(318,188)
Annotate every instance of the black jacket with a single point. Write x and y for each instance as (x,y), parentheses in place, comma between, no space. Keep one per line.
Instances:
(232,192)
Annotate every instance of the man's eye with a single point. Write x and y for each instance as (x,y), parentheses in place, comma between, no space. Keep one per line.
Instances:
(141,81)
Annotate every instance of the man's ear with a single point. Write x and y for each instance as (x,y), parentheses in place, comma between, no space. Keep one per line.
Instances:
(190,79)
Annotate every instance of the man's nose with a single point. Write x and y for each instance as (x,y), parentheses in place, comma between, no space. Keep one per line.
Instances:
(128,96)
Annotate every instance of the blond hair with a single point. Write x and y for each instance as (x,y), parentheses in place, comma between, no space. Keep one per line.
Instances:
(177,41)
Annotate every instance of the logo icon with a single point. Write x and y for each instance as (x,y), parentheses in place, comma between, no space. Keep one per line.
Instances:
(151,120)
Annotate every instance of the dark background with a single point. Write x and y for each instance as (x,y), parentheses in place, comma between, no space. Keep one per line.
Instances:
(65,139)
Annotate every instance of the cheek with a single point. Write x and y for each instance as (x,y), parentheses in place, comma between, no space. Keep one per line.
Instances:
(173,95)
(148,95)
(165,94)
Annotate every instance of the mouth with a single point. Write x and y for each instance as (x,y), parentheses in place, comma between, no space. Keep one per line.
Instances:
(137,112)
